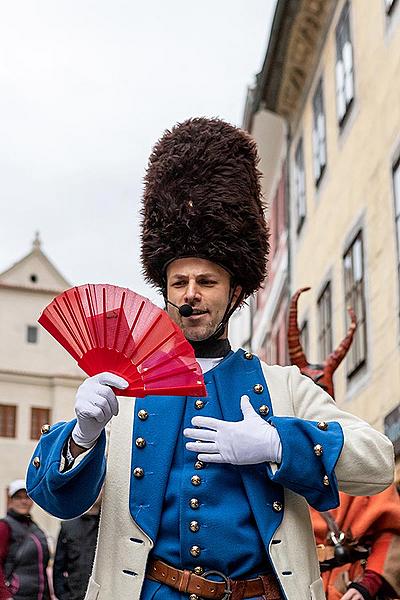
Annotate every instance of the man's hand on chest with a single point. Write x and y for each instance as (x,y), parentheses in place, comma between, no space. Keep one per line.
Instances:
(247,442)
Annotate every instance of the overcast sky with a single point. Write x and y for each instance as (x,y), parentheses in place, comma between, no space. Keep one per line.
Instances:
(86,88)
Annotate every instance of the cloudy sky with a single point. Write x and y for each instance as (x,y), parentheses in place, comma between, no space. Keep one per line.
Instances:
(86,88)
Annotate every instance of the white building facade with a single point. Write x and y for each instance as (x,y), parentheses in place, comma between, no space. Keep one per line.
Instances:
(38,378)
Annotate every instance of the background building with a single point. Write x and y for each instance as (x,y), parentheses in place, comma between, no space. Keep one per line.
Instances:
(38,379)
(263,320)
(332,73)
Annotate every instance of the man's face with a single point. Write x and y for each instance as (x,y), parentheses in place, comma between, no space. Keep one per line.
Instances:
(206,287)
(21,502)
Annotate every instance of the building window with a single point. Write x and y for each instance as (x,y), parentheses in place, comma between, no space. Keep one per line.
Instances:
(31,334)
(300,185)
(276,347)
(355,297)
(268,348)
(392,429)
(33,278)
(396,193)
(39,417)
(344,66)
(304,338)
(319,134)
(273,225)
(325,323)
(8,417)
(281,196)
(389,5)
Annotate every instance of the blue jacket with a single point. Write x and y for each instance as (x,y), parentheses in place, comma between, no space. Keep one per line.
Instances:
(307,421)
(67,495)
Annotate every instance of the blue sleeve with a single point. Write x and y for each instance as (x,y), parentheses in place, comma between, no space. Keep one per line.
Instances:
(310,451)
(69,494)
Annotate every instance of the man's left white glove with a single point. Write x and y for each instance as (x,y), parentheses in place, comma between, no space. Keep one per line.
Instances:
(248,442)
(95,404)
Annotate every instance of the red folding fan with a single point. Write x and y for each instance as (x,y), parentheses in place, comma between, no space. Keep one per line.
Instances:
(109,328)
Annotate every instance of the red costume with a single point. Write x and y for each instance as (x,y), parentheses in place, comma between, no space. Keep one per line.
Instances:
(374,521)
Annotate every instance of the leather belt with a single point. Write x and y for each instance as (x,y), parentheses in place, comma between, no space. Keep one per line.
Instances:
(201,588)
(325,552)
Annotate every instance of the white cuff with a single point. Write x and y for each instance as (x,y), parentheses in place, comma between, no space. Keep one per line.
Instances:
(69,460)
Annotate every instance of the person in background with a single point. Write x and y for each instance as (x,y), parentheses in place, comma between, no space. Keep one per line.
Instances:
(74,556)
(24,553)
(359,547)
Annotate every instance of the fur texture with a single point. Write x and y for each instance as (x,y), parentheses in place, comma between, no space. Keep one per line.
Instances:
(202,197)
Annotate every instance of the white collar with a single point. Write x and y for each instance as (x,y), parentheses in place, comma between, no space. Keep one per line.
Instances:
(206,364)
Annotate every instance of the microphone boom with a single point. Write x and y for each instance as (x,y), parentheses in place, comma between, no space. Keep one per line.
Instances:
(185,310)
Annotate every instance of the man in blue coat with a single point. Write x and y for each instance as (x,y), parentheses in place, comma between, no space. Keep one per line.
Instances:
(207,498)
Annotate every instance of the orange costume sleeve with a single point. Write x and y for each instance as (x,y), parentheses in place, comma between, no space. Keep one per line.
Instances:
(375,522)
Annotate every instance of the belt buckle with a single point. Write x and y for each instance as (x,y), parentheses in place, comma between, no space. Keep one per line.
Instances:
(227,590)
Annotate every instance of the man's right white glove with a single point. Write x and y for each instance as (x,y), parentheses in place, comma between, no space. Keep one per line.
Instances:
(248,442)
(95,404)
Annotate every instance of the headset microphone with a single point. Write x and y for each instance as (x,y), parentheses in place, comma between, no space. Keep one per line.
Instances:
(185,310)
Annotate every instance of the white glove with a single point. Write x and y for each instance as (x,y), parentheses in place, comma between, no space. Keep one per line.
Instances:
(246,442)
(95,404)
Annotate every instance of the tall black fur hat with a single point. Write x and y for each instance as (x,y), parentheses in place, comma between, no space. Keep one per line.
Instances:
(202,198)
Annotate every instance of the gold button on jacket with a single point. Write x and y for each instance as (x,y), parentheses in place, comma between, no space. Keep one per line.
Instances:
(318,450)
(194,526)
(195,551)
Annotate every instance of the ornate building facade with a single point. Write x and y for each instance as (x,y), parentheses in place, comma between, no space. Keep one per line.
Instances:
(332,74)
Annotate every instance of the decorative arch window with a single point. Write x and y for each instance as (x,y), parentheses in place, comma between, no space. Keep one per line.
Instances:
(300,185)
(319,134)
(8,418)
(389,6)
(31,334)
(344,66)
(39,417)
(354,285)
(325,322)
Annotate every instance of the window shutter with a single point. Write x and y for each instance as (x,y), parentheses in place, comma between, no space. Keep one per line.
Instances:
(317,170)
(358,261)
(340,100)
(297,188)
(348,68)
(302,195)
(321,135)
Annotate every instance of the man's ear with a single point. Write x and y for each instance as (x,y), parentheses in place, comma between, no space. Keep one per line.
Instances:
(238,290)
